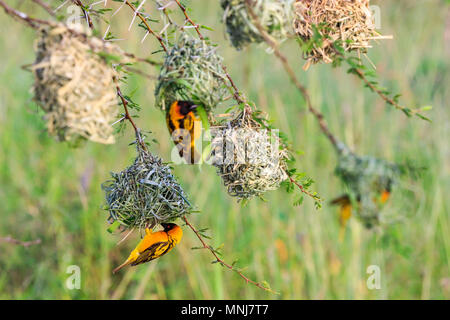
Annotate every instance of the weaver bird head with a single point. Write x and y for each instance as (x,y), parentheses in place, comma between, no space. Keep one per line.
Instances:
(173,230)
(168,226)
(185,107)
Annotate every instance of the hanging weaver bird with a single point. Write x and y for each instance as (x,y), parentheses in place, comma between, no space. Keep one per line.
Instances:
(154,245)
(345,204)
(345,213)
(185,127)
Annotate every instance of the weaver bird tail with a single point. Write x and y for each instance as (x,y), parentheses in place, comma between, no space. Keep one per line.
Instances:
(126,263)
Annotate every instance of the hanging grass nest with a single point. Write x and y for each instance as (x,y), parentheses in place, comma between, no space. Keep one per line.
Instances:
(250,159)
(192,71)
(367,179)
(273,15)
(74,85)
(145,194)
(323,24)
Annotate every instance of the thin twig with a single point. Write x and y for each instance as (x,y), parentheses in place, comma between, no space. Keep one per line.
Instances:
(223,263)
(236,93)
(145,60)
(387,99)
(25,244)
(409,112)
(141,73)
(85,12)
(164,10)
(45,6)
(302,188)
(196,26)
(149,29)
(128,117)
(32,22)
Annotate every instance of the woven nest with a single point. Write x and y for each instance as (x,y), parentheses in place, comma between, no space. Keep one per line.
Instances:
(248,157)
(366,178)
(346,22)
(145,194)
(273,15)
(74,85)
(192,71)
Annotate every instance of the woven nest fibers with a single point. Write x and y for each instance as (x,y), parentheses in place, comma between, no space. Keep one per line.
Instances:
(192,71)
(145,194)
(249,158)
(348,22)
(273,15)
(74,85)
(367,178)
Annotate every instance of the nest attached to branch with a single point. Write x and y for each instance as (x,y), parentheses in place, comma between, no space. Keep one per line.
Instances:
(366,178)
(192,71)
(74,85)
(346,22)
(145,194)
(274,16)
(249,159)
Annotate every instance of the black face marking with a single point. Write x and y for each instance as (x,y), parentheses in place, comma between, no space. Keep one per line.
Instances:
(168,226)
(185,107)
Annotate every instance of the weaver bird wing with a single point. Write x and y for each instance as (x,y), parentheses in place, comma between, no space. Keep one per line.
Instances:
(156,250)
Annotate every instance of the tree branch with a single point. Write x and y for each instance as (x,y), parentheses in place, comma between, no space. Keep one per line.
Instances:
(85,12)
(383,96)
(32,22)
(24,244)
(128,117)
(144,21)
(190,20)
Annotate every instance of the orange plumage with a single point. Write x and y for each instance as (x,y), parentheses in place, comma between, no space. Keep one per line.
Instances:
(345,211)
(154,245)
(185,127)
(385,196)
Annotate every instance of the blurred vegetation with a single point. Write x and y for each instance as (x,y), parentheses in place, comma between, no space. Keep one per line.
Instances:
(52,192)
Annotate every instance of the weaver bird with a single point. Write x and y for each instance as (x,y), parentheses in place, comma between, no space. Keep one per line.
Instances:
(184,125)
(154,245)
(345,204)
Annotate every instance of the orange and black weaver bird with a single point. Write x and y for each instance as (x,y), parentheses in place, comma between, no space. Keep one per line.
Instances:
(185,127)
(154,245)
(345,204)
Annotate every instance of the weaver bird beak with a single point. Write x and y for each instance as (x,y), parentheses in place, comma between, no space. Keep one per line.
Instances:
(194,106)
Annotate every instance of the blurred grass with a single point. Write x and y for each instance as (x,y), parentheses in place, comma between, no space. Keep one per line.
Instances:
(52,192)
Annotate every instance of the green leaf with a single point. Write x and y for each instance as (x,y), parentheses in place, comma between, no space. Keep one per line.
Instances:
(113,226)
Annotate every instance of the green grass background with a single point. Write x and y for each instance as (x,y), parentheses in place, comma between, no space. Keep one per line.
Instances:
(52,192)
